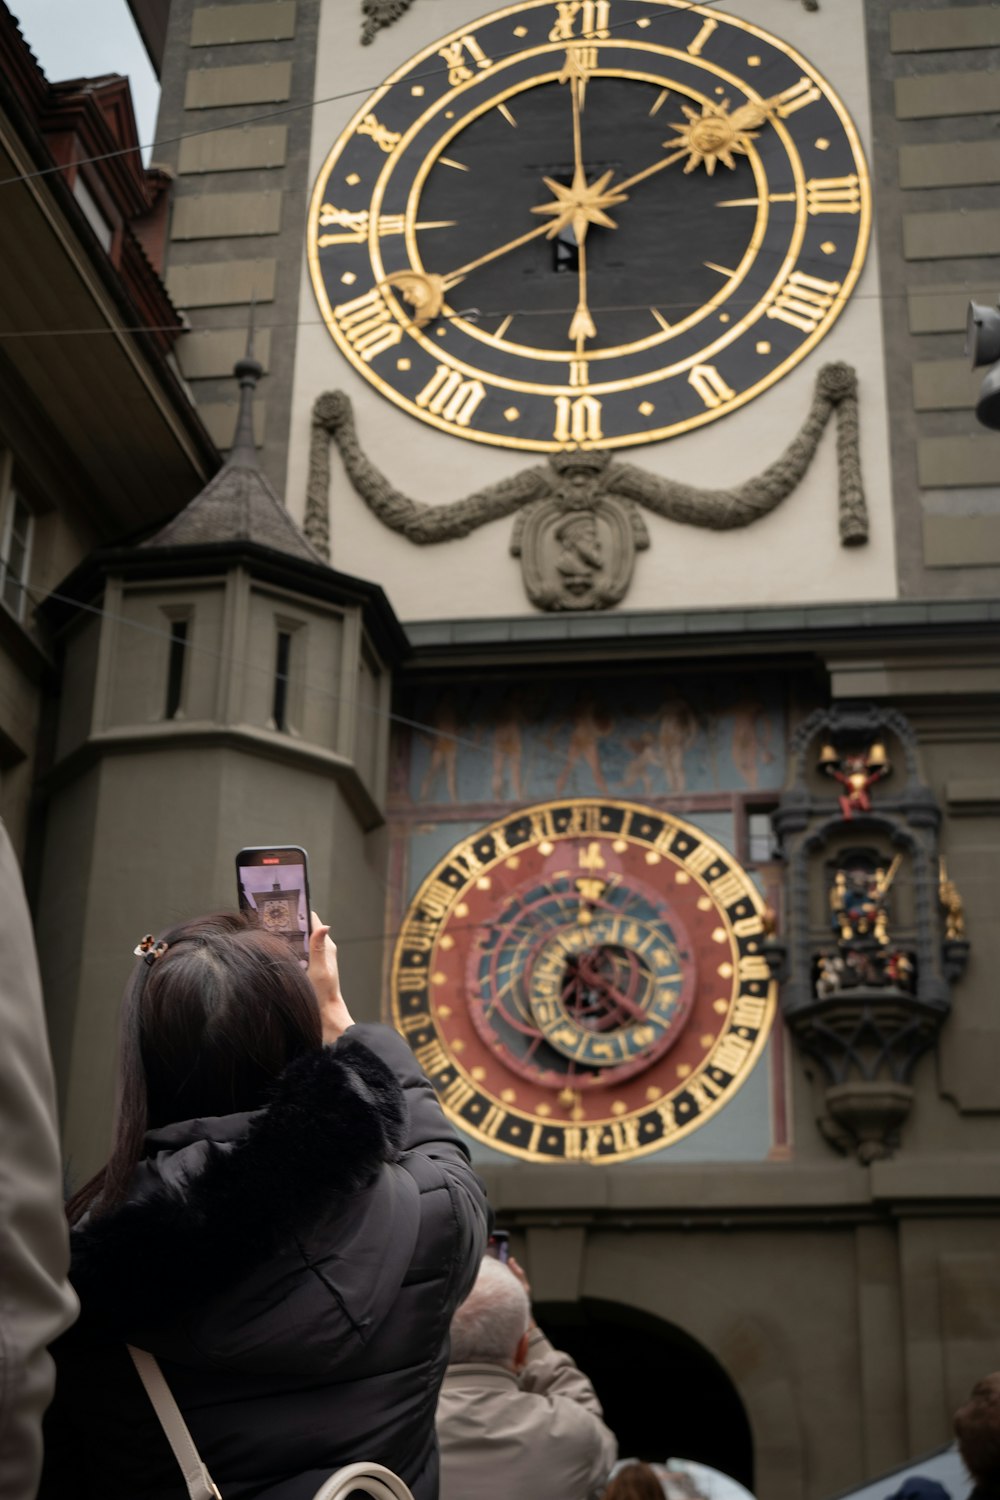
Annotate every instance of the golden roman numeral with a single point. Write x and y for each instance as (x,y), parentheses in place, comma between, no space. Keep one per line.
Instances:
(432,1058)
(625,1134)
(748,926)
(728,888)
(492,1120)
(354,224)
(542,825)
(385,139)
(749,1011)
(804,300)
(694,48)
(754,966)
(447,395)
(833,195)
(585,819)
(710,386)
(457,1095)
(580,18)
(410,1024)
(699,859)
(578,421)
(367,325)
(419,935)
(797,97)
(467,859)
(731,1053)
(409,980)
(579,372)
(437,898)
(453,57)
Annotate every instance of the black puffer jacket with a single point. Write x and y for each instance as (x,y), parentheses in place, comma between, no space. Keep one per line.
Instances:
(294,1271)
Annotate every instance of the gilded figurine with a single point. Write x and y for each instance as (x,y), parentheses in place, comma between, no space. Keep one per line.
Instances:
(859,902)
(954,909)
(857,772)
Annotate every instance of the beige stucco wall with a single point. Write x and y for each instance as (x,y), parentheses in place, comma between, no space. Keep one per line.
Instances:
(792,555)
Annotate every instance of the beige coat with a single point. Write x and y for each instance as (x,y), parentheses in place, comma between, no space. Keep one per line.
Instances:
(36,1300)
(537,1436)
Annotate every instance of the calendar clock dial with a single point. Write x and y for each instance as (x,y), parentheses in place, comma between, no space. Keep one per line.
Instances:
(584,980)
(589,223)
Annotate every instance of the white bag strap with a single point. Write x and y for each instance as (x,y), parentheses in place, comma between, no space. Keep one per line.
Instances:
(200,1485)
(365,1479)
(374,1480)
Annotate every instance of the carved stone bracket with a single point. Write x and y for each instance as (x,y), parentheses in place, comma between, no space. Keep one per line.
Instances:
(577,544)
(874,932)
(379,13)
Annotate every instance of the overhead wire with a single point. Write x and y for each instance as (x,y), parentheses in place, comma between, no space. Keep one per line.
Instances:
(680,8)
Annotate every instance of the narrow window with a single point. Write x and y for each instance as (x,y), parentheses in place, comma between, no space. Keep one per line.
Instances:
(283,656)
(761,843)
(15,558)
(175,666)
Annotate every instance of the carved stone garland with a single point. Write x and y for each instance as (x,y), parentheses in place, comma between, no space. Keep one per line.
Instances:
(866,995)
(577,542)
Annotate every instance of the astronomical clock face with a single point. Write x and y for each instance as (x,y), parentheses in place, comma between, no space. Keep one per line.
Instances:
(589,223)
(584,980)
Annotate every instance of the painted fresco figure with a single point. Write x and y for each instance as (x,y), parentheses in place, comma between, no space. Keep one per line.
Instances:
(444,750)
(676,734)
(588,727)
(508,749)
(751,742)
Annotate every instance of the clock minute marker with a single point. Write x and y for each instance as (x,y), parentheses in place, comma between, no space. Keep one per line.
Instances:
(755,202)
(508,320)
(507,115)
(659,101)
(660,319)
(446,161)
(722,270)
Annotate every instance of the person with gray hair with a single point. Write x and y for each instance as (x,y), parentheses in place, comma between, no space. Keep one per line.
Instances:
(516,1418)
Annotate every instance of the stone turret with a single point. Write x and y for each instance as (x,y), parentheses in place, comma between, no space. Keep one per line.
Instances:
(223,686)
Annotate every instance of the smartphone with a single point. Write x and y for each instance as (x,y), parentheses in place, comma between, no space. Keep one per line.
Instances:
(274,884)
(498,1245)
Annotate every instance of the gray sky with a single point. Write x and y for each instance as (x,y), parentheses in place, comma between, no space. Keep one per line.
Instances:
(84,38)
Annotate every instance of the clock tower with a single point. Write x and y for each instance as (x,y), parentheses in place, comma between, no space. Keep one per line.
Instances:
(617,341)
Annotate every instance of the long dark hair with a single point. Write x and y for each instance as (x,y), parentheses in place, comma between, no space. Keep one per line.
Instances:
(205,1030)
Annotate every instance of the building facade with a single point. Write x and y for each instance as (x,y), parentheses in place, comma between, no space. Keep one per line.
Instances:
(612,347)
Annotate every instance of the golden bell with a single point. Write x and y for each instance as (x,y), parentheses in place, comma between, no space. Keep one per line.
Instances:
(876,754)
(828,756)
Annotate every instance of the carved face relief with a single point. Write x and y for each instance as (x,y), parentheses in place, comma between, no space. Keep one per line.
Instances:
(580,559)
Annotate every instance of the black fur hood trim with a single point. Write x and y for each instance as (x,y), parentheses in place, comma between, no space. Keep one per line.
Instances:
(336,1116)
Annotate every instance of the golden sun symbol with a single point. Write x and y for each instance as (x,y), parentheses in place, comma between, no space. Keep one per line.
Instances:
(715,134)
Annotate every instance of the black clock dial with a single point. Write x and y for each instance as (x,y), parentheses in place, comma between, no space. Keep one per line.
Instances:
(663,254)
(589,224)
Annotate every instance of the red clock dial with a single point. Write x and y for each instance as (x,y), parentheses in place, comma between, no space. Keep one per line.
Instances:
(584,980)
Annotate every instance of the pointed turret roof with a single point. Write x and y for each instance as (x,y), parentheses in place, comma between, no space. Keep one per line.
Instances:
(239,503)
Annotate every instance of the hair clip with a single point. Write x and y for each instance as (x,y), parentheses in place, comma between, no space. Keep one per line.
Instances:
(149,949)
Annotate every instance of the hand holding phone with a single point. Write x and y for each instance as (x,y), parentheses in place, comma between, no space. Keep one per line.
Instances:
(274,883)
(324,975)
(498,1245)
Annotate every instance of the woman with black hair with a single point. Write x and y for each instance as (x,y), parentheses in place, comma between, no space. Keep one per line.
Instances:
(286,1221)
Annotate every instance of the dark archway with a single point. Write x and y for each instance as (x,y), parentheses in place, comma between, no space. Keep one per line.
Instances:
(663,1393)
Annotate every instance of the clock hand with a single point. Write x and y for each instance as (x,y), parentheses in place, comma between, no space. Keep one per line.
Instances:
(711,136)
(425,290)
(582,326)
